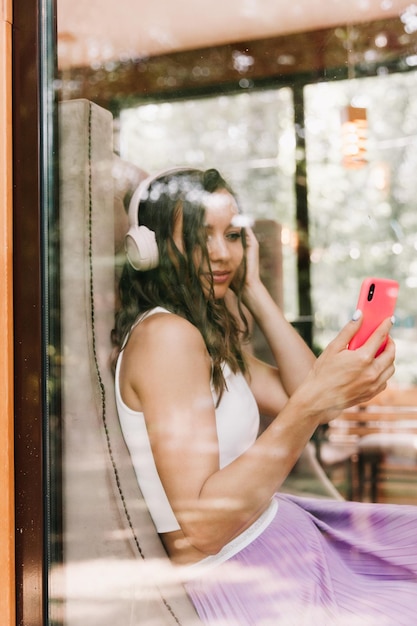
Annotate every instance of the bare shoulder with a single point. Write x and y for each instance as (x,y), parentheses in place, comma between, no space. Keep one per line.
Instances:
(166,329)
(163,347)
(166,337)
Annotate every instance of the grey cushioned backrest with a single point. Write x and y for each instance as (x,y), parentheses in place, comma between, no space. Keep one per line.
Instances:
(115,571)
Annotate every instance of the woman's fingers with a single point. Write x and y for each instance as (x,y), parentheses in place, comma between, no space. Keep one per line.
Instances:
(252,250)
(347,377)
(385,360)
(250,236)
(342,339)
(372,344)
(378,338)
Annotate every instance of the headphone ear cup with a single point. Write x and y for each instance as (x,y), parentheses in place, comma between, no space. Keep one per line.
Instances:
(141,248)
(140,242)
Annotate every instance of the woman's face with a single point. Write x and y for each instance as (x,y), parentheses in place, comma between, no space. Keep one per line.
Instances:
(224,241)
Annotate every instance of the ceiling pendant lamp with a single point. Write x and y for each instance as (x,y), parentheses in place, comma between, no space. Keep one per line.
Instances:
(354,137)
(354,118)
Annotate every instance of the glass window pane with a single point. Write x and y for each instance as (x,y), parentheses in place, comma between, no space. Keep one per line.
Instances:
(249,137)
(121,114)
(363,220)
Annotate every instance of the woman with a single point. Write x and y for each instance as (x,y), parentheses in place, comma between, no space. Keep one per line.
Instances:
(189,395)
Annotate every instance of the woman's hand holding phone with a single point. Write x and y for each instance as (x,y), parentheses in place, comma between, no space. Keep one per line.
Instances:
(376,302)
(343,378)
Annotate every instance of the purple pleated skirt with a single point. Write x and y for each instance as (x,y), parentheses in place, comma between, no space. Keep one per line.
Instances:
(317,563)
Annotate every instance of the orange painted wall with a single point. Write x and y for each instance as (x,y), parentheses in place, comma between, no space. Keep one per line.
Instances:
(7,581)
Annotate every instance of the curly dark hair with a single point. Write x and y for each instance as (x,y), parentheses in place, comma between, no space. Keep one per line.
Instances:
(175,283)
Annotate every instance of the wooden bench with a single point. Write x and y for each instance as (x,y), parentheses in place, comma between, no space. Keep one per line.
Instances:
(386,439)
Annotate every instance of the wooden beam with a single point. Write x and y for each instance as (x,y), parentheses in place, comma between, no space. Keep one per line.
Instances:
(29,370)
(7,548)
(299,57)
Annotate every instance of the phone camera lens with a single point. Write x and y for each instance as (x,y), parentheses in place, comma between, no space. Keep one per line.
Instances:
(371,292)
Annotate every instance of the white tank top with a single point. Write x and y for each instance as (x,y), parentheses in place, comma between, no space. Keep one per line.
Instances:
(237,422)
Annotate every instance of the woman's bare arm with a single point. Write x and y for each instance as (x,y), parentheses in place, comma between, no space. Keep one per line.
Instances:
(167,370)
(272,386)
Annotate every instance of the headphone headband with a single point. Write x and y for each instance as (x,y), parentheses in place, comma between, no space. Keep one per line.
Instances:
(140,242)
(143,187)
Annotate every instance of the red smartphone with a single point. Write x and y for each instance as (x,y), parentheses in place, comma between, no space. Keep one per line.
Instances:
(377,300)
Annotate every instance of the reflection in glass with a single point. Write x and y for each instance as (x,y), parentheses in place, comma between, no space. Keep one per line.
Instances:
(249,137)
(360,222)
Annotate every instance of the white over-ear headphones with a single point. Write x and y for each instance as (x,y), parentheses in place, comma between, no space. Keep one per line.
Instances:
(140,242)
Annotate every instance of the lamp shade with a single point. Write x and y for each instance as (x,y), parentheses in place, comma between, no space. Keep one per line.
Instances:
(354,136)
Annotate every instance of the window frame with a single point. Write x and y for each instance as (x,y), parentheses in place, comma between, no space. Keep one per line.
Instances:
(34,191)
(33,54)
